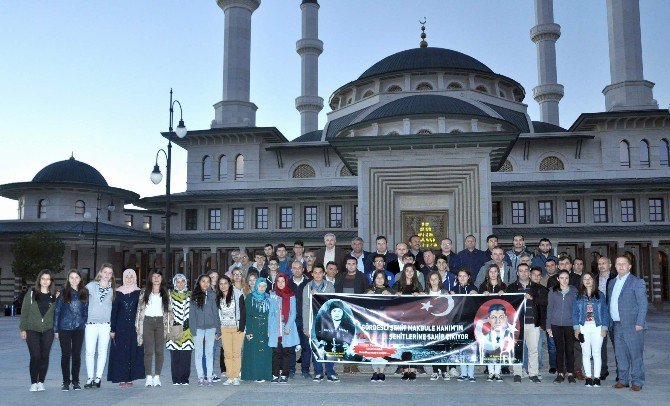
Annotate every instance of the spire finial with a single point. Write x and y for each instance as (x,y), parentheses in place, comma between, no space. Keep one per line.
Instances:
(423,43)
(72,155)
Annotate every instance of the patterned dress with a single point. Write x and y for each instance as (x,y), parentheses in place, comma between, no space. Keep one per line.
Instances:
(180,304)
(256,355)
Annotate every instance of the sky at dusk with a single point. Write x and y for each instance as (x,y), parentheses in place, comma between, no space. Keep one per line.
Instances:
(92,78)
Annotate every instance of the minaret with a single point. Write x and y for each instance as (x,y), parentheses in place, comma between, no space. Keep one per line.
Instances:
(309,47)
(628,90)
(235,109)
(545,33)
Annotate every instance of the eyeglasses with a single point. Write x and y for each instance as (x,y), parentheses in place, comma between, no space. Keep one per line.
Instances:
(309,256)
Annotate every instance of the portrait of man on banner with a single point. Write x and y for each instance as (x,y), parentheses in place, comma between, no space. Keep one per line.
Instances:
(334,331)
(496,334)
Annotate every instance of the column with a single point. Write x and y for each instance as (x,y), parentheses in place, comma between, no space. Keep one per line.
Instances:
(309,47)
(544,34)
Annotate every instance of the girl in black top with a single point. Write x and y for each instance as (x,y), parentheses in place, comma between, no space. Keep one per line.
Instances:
(463,285)
(408,281)
(492,283)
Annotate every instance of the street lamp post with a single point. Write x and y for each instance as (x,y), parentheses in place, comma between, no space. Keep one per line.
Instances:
(157,176)
(110,207)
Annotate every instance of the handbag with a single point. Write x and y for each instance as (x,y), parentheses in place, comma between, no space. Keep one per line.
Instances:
(175,331)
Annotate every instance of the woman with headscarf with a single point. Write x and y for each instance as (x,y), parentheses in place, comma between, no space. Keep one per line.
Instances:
(126,358)
(180,349)
(282,330)
(257,356)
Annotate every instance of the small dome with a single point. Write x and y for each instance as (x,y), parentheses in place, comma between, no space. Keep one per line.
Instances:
(71,171)
(425,59)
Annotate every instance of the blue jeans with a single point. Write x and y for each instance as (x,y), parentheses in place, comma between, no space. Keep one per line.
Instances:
(305,352)
(215,344)
(551,347)
(468,370)
(318,367)
(205,368)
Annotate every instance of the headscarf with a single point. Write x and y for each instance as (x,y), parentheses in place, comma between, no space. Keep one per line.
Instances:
(260,300)
(174,282)
(285,295)
(127,288)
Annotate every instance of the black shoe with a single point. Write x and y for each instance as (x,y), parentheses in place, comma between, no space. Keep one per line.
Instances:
(405,376)
(65,387)
(317,378)
(381,377)
(97,382)
(589,382)
(604,376)
(535,379)
(283,379)
(333,378)
(505,371)
(89,384)
(517,378)
(571,379)
(559,379)
(375,377)
(412,376)
(596,383)
(75,386)
(552,370)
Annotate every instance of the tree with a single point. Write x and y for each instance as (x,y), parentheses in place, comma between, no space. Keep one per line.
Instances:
(35,252)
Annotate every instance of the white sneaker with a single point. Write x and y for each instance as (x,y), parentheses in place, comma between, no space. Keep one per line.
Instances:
(40,386)
(446,376)
(149,382)
(236,382)
(157,380)
(228,382)
(434,376)
(33,387)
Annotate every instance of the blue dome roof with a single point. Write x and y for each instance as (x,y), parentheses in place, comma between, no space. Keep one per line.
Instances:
(425,104)
(425,59)
(71,171)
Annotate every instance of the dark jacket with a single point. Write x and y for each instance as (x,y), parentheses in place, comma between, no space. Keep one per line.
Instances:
(611,276)
(533,289)
(464,290)
(367,260)
(340,256)
(31,317)
(360,283)
(70,316)
(452,260)
(484,287)
(539,260)
(473,260)
(541,306)
(559,309)
(297,289)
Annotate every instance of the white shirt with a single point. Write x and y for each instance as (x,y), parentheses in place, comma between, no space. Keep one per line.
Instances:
(614,300)
(155,306)
(329,256)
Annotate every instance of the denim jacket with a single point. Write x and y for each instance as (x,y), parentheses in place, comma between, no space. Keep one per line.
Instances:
(600,312)
(70,316)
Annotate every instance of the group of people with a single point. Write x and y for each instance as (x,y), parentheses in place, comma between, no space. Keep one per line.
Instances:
(258,312)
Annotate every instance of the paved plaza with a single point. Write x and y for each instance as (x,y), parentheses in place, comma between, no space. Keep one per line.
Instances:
(353,389)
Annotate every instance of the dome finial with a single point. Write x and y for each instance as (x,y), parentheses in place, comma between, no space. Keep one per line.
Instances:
(72,155)
(423,43)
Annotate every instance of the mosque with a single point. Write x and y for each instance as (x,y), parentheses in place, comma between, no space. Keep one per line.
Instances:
(427,139)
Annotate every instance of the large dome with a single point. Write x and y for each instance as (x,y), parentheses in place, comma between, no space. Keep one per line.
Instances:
(425,59)
(70,171)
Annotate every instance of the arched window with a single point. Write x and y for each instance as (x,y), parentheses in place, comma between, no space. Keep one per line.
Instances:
(644,154)
(624,154)
(518,96)
(42,209)
(349,101)
(368,93)
(454,86)
(334,103)
(665,152)
(424,131)
(482,88)
(424,86)
(506,167)
(206,167)
(345,171)
(502,94)
(223,167)
(79,208)
(304,171)
(394,89)
(239,167)
(551,163)
(393,133)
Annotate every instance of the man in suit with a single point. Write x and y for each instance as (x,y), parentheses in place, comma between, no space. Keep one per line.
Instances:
(627,299)
(363,257)
(603,277)
(330,252)
(382,248)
